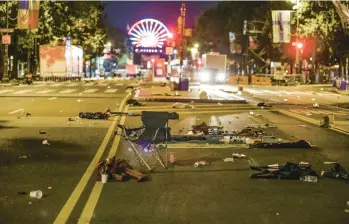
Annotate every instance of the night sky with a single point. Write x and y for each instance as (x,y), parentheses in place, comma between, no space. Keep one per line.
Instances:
(121,13)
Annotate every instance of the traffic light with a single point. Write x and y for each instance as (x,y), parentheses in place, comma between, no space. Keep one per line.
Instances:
(300,45)
(244,30)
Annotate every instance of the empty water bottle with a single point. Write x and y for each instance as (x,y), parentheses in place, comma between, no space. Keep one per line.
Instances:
(308,178)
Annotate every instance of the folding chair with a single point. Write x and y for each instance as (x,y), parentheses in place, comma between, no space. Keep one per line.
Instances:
(154,131)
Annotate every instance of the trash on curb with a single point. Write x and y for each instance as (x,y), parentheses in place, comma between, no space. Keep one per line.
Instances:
(42,132)
(182,106)
(201,163)
(23,157)
(309,178)
(45,142)
(315,105)
(228,160)
(238,155)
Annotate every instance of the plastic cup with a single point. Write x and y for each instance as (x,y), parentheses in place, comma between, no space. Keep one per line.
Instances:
(36,194)
(105,178)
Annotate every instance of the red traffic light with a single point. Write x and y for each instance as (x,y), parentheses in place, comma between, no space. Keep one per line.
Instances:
(299,45)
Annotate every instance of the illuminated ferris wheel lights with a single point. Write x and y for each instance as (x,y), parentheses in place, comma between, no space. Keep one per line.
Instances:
(149,33)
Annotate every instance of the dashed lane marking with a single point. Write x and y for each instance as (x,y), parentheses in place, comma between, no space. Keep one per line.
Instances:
(57,84)
(111,91)
(90,91)
(6,91)
(73,84)
(46,91)
(68,91)
(16,111)
(24,91)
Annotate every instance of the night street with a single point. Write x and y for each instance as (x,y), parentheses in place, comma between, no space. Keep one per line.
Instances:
(152,112)
(182,193)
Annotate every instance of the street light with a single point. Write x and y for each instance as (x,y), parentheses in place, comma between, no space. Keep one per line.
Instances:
(109,44)
(196,46)
(194,50)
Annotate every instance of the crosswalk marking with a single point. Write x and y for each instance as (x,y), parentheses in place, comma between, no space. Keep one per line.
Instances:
(102,84)
(111,90)
(57,84)
(90,91)
(46,91)
(315,111)
(68,91)
(72,84)
(24,91)
(6,91)
(89,84)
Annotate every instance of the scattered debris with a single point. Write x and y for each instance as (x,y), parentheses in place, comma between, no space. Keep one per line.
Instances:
(312,99)
(45,142)
(285,100)
(308,114)
(134,102)
(91,115)
(182,106)
(238,155)
(36,194)
(79,100)
(315,105)
(42,132)
(23,157)
(290,171)
(228,160)
(119,170)
(263,104)
(251,112)
(49,188)
(335,172)
(201,163)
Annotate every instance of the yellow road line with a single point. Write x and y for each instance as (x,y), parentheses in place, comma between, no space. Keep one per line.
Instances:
(67,209)
(92,201)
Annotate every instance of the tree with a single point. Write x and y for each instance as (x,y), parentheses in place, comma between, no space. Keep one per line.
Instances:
(319,19)
(213,27)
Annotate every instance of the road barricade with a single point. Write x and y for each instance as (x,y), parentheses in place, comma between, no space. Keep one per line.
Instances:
(237,79)
(260,80)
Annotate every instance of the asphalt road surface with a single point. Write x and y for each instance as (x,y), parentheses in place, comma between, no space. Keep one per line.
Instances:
(218,193)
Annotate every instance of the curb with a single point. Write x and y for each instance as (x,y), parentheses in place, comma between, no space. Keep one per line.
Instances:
(188,100)
(310,121)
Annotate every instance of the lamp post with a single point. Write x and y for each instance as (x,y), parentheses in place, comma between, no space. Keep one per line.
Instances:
(183,11)
(297,7)
(5,75)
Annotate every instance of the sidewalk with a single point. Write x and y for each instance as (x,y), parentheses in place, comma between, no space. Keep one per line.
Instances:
(164,94)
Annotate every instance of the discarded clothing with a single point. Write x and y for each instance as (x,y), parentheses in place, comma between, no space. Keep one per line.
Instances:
(290,171)
(119,170)
(336,172)
(134,102)
(299,144)
(96,115)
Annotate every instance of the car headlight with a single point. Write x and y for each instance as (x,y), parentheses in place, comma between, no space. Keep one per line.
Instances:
(204,77)
(220,77)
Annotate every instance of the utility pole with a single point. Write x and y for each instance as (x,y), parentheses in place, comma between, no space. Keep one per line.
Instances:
(183,10)
(5,75)
(297,37)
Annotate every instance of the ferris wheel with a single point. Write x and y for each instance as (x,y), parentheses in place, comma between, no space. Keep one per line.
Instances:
(149,33)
